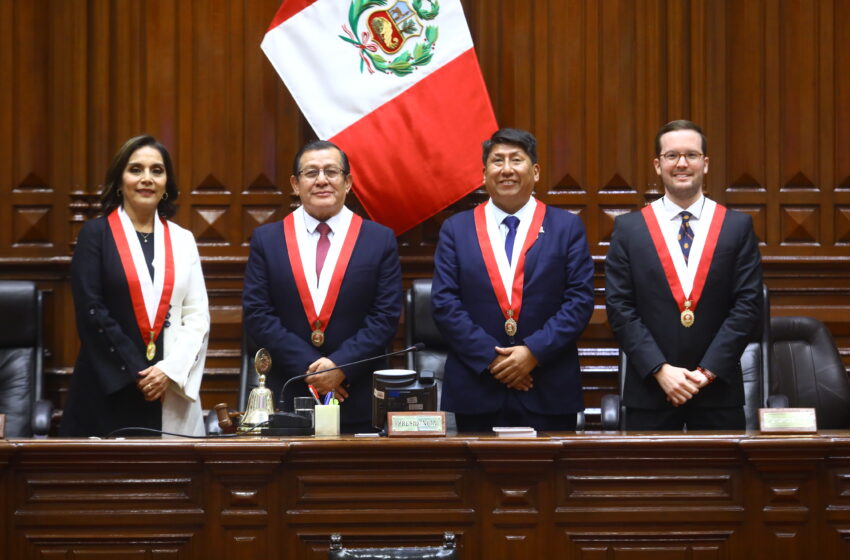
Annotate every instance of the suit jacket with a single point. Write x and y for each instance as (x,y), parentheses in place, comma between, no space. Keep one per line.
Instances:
(557,303)
(362,325)
(103,394)
(645,317)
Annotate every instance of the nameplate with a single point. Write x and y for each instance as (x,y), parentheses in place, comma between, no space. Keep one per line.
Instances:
(416,424)
(787,420)
(2,426)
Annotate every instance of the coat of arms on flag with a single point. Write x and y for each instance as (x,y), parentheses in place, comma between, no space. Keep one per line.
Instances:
(388,30)
(374,74)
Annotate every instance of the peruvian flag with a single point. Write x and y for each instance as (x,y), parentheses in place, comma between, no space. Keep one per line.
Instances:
(396,84)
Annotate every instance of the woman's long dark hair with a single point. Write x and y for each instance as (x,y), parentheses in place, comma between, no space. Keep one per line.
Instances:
(110,197)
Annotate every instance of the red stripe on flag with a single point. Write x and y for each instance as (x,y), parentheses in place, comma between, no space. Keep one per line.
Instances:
(288,8)
(421,151)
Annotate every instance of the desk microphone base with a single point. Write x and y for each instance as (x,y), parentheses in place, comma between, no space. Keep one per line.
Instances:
(288,424)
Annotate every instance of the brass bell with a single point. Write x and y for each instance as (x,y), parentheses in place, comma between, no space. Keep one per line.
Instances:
(260,401)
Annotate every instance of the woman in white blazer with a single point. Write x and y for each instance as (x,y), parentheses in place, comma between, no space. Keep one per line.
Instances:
(141,306)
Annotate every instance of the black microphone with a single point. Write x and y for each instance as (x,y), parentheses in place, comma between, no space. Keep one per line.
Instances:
(293,424)
(282,403)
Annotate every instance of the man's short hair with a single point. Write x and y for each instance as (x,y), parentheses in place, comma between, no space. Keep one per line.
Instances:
(513,136)
(680,124)
(316,145)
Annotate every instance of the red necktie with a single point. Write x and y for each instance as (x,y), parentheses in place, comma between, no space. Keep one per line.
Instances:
(322,247)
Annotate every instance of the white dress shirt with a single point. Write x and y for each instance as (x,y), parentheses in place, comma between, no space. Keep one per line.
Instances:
(667,212)
(308,239)
(498,232)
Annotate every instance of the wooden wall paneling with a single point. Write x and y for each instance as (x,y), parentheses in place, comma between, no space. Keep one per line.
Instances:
(797,177)
(8,137)
(271,132)
(520,77)
(652,92)
(827,125)
(101,142)
(745,141)
(32,216)
(159,68)
(561,117)
(840,13)
(126,87)
(216,126)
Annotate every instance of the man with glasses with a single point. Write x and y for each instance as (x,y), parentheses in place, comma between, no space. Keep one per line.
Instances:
(323,288)
(683,294)
(512,292)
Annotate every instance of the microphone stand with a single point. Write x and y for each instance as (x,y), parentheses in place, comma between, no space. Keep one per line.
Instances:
(293,424)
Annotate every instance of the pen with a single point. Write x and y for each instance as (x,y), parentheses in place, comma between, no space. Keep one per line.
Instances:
(314,393)
(329,397)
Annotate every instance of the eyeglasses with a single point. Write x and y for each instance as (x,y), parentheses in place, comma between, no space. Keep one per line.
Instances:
(331,173)
(674,157)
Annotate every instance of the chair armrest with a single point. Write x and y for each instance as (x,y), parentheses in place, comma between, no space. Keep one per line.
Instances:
(777,401)
(581,420)
(610,412)
(42,416)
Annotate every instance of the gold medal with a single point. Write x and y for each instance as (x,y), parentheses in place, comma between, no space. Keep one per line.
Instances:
(317,337)
(510,324)
(687,316)
(151,349)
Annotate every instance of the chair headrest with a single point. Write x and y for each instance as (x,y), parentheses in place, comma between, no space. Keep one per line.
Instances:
(798,328)
(424,329)
(18,308)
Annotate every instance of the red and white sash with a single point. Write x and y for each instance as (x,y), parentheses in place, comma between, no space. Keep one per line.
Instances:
(150,298)
(707,257)
(510,307)
(319,320)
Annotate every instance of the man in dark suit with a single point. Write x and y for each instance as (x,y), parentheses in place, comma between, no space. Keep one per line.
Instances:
(512,292)
(683,295)
(323,288)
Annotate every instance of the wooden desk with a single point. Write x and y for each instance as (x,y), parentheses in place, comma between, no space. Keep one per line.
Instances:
(589,496)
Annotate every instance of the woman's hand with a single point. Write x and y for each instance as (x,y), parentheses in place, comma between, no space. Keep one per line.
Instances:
(153,383)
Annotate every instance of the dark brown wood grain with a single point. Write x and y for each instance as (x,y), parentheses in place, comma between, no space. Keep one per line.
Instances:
(569,496)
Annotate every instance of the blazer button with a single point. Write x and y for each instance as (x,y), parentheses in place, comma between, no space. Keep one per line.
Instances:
(168,315)
(112,349)
(91,311)
(166,324)
(100,331)
(123,368)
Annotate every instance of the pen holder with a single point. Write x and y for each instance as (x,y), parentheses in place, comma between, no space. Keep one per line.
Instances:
(327,419)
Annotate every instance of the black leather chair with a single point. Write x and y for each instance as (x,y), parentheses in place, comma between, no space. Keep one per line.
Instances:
(21,360)
(808,370)
(419,326)
(445,552)
(755,366)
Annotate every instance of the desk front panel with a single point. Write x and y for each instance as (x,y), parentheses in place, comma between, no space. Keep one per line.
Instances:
(593,496)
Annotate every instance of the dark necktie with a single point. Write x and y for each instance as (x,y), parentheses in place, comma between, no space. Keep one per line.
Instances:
(686,234)
(512,222)
(322,247)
